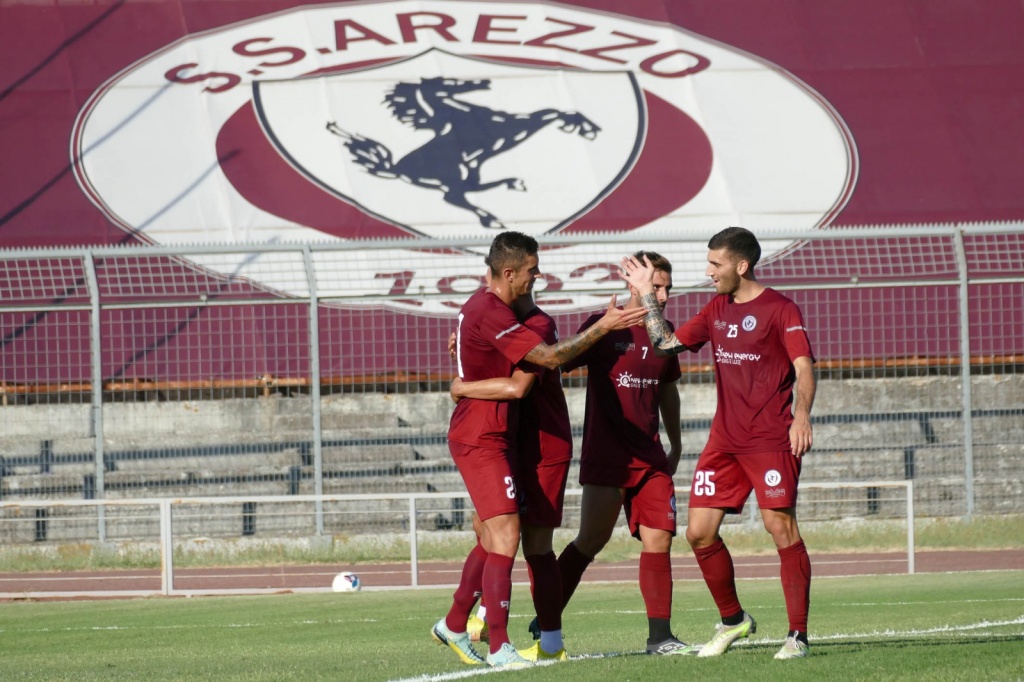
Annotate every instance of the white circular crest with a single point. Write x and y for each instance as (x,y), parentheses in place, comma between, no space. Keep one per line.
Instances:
(772,477)
(348,120)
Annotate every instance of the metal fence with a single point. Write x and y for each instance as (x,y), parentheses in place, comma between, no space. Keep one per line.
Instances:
(173,525)
(320,369)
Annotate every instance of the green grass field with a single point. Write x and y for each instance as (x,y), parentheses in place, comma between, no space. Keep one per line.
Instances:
(964,626)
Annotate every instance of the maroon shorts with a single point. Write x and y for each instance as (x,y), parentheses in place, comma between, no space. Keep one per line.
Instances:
(724,481)
(652,503)
(488,478)
(542,493)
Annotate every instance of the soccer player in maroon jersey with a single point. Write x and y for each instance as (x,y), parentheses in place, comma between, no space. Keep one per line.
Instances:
(490,341)
(543,454)
(759,432)
(624,464)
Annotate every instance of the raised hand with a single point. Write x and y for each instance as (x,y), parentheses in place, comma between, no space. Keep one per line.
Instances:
(621,318)
(639,274)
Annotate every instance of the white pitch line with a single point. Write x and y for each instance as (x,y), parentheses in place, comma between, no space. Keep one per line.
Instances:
(940,630)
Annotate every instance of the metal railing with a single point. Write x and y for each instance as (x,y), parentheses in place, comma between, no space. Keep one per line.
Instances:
(169,534)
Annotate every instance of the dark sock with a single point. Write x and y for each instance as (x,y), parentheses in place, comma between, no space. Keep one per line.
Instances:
(547,590)
(571,565)
(659,630)
(734,619)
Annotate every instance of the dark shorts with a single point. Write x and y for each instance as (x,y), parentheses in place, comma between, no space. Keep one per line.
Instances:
(542,493)
(488,476)
(651,503)
(724,481)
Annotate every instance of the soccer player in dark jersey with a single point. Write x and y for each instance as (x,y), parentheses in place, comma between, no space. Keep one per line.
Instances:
(490,341)
(759,432)
(624,463)
(543,454)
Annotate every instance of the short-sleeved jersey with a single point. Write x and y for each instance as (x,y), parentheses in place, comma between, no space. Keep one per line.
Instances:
(544,428)
(754,344)
(489,342)
(620,430)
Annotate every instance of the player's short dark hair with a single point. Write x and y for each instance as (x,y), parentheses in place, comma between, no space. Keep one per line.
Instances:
(510,250)
(739,241)
(658,261)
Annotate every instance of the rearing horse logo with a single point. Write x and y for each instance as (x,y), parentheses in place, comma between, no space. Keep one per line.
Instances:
(465,136)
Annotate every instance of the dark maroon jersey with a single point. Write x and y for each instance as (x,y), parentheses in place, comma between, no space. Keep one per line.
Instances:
(754,345)
(544,429)
(489,342)
(620,431)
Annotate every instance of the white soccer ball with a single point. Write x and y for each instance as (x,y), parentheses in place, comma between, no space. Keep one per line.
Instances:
(346,582)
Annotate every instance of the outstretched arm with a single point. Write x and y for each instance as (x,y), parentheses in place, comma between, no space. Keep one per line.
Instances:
(800,435)
(498,388)
(640,276)
(567,349)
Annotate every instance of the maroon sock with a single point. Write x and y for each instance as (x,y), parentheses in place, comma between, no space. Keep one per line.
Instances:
(469,590)
(716,564)
(498,593)
(571,565)
(796,584)
(656,583)
(546,585)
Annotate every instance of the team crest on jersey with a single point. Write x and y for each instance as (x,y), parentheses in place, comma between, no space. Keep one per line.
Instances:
(393,118)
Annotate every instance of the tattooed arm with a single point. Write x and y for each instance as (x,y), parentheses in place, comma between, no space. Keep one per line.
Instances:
(567,349)
(640,276)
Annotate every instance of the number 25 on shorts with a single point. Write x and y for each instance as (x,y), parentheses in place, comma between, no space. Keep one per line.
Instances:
(702,483)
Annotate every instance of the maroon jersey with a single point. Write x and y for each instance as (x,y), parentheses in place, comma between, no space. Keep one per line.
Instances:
(620,431)
(754,344)
(544,429)
(489,342)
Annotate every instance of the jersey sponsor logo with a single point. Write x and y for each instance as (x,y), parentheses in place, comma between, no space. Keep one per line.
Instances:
(627,380)
(727,358)
(392,118)
(772,477)
(749,323)
(624,346)
(721,325)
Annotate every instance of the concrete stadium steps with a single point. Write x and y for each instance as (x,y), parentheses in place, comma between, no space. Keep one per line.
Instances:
(58,524)
(268,481)
(836,504)
(70,455)
(853,465)
(1000,461)
(880,432)
(382,443)
(360,454)
(999,494)
(55,486)
(234,459)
